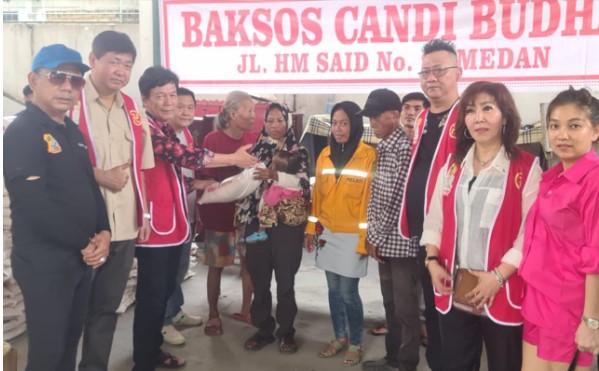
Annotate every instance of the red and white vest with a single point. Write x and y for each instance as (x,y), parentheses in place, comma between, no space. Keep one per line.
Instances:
(81,117)
(506,306)
(167,201)
(443,153)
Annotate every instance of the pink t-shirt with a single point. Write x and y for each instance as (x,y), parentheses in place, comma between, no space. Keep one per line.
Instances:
(561,243)
(275,193)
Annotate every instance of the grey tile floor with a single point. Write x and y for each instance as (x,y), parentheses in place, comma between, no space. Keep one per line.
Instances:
(226,352)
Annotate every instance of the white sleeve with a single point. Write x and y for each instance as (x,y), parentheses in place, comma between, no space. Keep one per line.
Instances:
(513,256)
(433,221)
(289,181)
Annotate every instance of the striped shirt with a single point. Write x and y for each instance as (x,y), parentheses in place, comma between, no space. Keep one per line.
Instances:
(385,198)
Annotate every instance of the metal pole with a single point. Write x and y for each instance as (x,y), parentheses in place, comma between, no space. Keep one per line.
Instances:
(156,31)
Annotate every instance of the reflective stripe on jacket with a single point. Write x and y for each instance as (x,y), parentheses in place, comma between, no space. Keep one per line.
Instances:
(340,204)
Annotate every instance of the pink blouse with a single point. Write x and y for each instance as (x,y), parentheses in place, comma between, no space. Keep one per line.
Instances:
(561,238)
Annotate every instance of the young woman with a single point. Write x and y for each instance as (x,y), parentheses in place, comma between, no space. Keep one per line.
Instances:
(344,174)
(560,264)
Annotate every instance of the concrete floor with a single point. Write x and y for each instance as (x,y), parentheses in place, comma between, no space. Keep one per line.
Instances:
(226,352)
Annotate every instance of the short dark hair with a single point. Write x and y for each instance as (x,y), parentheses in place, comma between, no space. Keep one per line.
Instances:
(509,112)
(416,96)
(185,91)
(112,41)
(291,160)
(27,91)
(155,77)
(582,98)
(437,45)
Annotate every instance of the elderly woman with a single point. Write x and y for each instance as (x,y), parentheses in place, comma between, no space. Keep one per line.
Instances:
(473,232)
(281,252)
(560,267)
(344,174)
(233,131)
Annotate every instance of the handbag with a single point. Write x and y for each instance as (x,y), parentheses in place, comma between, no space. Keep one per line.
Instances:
(464,283)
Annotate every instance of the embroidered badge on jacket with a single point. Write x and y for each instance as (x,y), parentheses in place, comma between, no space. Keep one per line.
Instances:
(53,146)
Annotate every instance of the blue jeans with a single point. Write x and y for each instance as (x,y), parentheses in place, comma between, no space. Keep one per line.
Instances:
(175,302)
(345,304)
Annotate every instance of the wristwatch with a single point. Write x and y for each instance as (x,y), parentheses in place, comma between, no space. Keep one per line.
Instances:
(147,216)
(591,323)
(429,259)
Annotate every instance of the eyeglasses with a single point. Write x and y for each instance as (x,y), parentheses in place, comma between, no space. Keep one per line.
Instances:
(437,72)
(59,77)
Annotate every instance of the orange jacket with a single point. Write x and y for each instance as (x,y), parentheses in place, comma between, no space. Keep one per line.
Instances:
(340,204)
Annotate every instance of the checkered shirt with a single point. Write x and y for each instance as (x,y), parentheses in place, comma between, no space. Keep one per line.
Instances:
(320,125)
(385,197)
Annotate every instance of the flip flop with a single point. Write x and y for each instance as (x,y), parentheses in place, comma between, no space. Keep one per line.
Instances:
(258,341)
(167,360)
(287,345)
(214,327)
(240,317)
(380,330)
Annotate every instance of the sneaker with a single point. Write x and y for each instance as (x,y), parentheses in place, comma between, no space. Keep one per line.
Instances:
(256,237)
(172,336)
(186,319)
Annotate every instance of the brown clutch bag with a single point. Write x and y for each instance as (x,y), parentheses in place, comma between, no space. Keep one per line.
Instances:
(463,284)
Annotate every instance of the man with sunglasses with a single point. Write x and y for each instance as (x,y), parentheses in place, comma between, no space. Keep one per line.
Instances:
(119,146)
(60,227)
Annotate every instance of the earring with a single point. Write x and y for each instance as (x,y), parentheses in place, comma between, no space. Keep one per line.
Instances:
(467,134)
(503,128)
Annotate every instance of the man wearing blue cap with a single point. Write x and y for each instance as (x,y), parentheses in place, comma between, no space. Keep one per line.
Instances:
(60,226)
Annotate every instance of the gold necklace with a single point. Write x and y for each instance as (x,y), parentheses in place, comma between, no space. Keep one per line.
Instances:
(481,162)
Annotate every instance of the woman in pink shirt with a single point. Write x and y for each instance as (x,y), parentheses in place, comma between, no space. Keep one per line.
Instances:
(560,264)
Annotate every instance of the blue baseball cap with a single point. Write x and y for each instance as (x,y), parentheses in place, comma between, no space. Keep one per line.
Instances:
(54,55)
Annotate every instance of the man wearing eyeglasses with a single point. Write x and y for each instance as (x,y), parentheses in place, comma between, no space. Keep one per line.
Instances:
(119,146)
(60,226)
(434,142)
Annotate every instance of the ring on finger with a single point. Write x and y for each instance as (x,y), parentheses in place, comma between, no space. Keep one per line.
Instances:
(102,259)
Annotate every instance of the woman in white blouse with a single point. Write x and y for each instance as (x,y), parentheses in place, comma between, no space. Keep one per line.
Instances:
(473,232)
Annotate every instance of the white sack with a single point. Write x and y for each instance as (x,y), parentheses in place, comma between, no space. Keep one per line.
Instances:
(233,188)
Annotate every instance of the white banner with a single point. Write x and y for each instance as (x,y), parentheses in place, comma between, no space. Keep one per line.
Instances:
(356,46)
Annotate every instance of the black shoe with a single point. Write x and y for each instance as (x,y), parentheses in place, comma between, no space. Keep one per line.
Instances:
(258,341)
(378,365)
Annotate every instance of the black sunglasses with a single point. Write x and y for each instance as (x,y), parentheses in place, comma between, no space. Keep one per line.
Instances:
(59,77)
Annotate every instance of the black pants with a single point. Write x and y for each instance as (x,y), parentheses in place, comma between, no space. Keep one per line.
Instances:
(463,335)
(433,350)
(55,307)
(156,275)
(399,285)
(281,253)
(108,286)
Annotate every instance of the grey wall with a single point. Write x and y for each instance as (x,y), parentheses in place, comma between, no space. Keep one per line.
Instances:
(22,41)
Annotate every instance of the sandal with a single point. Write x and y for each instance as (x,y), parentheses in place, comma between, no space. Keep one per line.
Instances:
(287,345)
(332,349)
(167,360)
(379,330)
(240,317)
(258,341)
(353,356)
(214,327)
